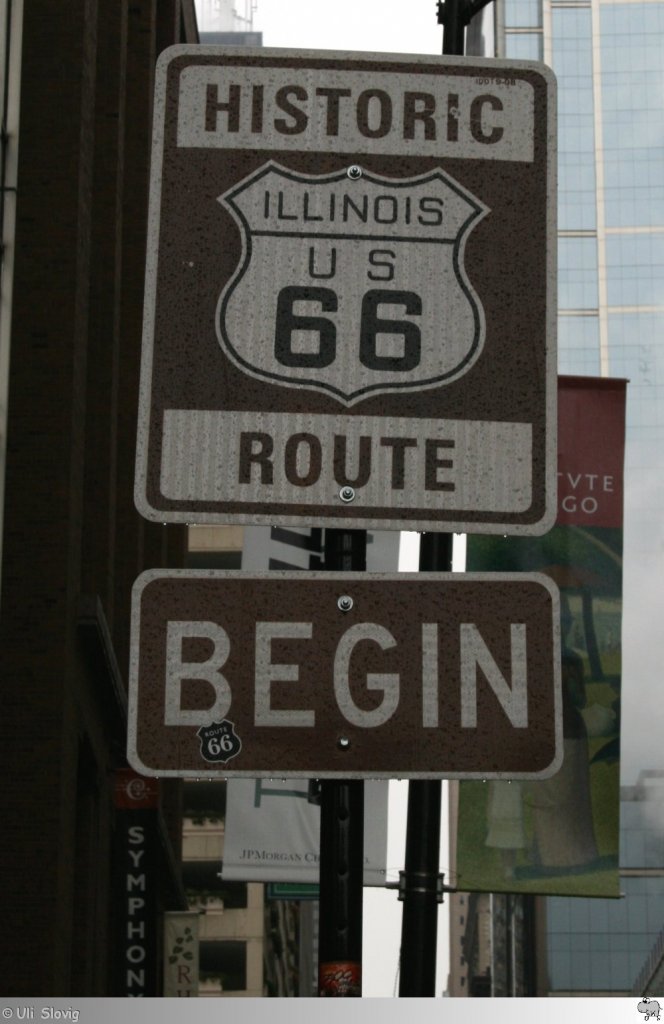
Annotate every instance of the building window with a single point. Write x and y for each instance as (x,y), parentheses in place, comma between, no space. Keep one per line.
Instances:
(225,963)
(523,13)
(635,269)
(523,45)
(203,884)
(577,273)
(204,801)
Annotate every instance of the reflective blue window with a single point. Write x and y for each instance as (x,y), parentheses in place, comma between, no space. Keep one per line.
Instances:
(636,353)
(577,273)
(523,13)
(560,968)
(577,210)
(632,67)
(578,345)
(607,957)
(600,970)
(572,62)
(628,209)
(523,45)
(601,945)
(635,270)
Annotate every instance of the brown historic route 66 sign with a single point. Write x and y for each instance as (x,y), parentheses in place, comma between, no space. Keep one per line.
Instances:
(350,292)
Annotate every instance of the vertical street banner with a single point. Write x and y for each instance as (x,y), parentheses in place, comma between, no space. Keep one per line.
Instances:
(135,900)
(181,954)
(272,832)
(302,547)
(560,836)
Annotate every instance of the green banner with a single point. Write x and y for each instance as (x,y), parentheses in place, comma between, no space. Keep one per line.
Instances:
(560,836)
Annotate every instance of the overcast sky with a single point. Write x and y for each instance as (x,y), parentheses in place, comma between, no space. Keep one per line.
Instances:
(387,26)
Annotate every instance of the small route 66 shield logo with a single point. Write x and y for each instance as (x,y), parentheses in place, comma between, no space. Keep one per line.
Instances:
(219,741)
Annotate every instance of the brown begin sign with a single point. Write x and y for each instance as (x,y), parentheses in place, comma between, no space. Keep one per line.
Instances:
(354,675)
(350,292)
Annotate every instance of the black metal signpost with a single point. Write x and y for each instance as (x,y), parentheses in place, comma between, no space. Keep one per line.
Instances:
(340,901)
(421,886)
(341,836)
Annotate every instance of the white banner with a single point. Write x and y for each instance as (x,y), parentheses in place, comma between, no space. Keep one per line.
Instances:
(181,954)
(301,547)
(272,832)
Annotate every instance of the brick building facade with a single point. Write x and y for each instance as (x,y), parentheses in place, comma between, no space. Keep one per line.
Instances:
(72,542)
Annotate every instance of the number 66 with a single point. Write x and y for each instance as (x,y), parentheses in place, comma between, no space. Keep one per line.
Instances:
(371,325)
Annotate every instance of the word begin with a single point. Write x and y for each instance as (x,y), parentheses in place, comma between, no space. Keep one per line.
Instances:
(475,657)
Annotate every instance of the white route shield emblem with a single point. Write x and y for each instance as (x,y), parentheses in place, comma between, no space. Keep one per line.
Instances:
(352,283)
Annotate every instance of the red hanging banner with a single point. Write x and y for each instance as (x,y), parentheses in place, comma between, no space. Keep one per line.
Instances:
(560,836)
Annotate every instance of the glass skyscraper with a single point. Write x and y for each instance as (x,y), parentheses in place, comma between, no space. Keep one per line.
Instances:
(608,56)
(604,946)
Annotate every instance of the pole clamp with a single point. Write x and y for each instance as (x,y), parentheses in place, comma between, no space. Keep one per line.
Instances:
(420,881)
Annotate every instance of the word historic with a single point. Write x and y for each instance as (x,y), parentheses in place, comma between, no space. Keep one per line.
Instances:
(350,111)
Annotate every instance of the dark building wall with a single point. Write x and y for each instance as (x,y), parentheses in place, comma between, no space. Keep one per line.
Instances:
(73,543)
